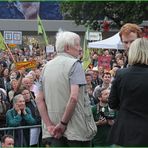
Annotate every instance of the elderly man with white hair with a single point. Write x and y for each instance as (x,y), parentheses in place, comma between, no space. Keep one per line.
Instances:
(62,99)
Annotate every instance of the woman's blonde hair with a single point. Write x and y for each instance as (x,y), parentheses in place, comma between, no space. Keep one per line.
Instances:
(138,52)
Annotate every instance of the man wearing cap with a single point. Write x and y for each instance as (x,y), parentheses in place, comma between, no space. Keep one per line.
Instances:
(95,78)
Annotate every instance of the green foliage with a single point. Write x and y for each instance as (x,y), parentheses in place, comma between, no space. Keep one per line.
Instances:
(120,12)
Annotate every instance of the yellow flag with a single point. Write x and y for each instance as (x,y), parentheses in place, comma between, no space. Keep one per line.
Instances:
(86,53)
(25,64)
(41,30)
(2,45)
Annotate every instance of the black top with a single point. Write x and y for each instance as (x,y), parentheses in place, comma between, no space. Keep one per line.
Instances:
(129,94)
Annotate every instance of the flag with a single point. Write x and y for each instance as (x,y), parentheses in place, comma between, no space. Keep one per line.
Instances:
(2,44)
(41,30)
(86,55)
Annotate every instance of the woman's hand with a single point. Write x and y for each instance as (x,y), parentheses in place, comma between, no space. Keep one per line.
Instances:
(16,107)
(24,111)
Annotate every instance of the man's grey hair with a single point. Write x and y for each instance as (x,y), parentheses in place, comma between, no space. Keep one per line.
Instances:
(65,38)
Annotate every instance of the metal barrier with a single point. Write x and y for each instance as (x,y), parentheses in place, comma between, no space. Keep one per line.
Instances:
(20,128)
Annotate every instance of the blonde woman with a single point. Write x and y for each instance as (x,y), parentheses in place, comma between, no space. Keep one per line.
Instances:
(129,94)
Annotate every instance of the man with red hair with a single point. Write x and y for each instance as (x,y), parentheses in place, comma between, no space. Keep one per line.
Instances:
(128,33)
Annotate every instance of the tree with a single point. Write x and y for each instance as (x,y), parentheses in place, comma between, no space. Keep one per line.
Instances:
(121,12)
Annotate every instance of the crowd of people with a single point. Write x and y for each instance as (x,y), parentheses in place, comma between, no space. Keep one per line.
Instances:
(96,107)
(18,88)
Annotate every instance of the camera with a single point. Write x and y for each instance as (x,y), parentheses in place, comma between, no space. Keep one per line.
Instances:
(110,115)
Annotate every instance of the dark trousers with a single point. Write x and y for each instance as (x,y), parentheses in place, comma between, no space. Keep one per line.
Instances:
(64,142)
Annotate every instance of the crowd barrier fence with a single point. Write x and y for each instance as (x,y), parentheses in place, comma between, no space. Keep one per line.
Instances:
(14,129)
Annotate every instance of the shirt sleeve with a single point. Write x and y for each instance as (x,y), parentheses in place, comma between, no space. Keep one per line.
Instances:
(77,75)
(114,101)
(39,83)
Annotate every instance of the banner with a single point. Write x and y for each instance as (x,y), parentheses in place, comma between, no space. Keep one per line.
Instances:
(104,61)
(13,37)
(49,49)
(25,64)
(94,36)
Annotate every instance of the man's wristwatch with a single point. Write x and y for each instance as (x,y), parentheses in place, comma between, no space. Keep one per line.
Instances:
(63,123)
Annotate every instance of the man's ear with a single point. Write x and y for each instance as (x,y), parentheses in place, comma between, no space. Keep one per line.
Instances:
(66,48)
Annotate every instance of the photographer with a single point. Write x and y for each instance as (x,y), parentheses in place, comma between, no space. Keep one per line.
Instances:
(104,118)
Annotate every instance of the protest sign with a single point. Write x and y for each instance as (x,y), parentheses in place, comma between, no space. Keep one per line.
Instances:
(104,61)
(25,64)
